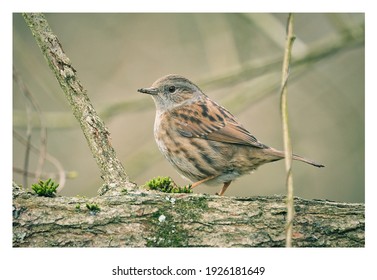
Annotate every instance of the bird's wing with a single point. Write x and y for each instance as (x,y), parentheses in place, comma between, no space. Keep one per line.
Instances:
(206,119)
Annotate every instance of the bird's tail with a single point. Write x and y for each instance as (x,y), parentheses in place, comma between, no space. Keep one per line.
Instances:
(276,154)
(308,161)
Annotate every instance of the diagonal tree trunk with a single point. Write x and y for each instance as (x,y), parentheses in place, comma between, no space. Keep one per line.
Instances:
(94,129)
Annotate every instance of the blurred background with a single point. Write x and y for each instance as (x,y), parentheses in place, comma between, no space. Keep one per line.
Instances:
(235,59)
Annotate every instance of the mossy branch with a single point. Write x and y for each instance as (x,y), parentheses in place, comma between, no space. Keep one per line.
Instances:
(94,129)
(154,219)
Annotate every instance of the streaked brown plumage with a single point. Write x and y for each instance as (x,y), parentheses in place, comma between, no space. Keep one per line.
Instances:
(203,140)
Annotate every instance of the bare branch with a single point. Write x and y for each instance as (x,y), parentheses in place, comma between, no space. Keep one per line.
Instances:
(94,129)
(54,161)
(43,130)
(286,137)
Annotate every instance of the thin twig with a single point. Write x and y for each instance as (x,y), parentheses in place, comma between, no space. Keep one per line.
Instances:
(328,49)
(42,125)
(47,175)
(287,141)
(54,161)
(27,150)
(20,84)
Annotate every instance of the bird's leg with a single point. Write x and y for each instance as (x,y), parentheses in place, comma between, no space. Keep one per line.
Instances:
(223,189)
(201,181)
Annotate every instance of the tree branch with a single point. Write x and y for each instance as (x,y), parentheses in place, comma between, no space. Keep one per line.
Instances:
(286,137)
(181,220)
(94,129)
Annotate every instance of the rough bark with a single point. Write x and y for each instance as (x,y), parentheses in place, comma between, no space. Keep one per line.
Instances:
(150,219)
(94,129)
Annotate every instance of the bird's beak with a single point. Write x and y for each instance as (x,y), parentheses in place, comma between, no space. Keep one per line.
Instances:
(151,91)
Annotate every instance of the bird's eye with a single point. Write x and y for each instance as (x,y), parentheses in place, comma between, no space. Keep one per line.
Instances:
(171,89)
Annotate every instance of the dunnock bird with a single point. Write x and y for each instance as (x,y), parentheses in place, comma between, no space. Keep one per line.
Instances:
(201,139)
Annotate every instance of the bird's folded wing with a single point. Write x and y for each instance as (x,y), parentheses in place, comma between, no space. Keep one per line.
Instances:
(212,122)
